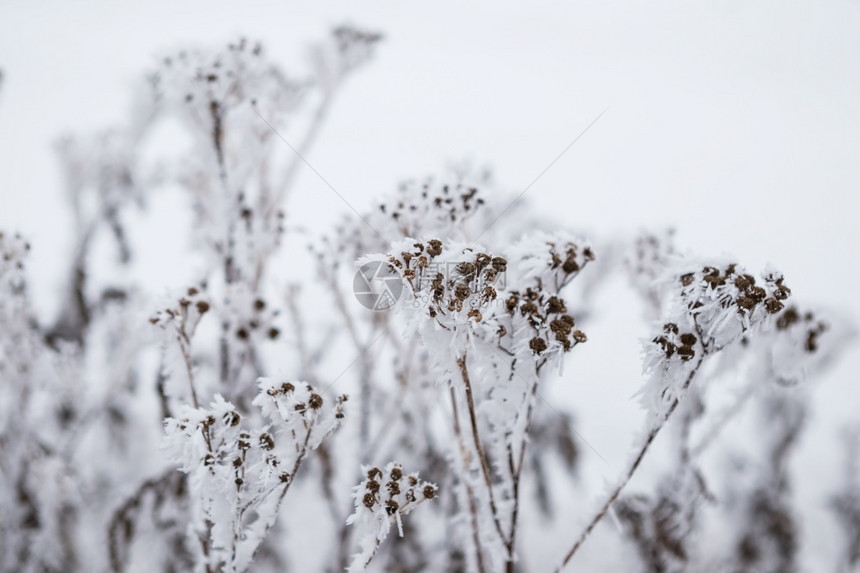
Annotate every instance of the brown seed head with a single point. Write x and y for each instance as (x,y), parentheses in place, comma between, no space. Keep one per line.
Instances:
(537,344)
(773,306)
(434,248)
(369,500)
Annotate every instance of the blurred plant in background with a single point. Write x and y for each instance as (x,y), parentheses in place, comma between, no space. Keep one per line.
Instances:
(147,434)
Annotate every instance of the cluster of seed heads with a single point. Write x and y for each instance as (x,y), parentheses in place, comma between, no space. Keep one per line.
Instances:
(315,401)
(194,300)
(814,327)
(395,491)
(219,69)
(260,320)
(544,312)
(673,342)
(236,452)
(469,286)
(566,258)
(265,443)
(300,397)
(749,295)
(414,203)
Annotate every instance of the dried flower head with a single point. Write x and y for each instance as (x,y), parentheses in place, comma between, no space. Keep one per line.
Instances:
(375,511)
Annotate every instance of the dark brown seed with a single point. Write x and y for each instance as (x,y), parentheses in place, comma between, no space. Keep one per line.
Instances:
(688,339)
(391,507)
(773,306)
(369,500)
(555,305)
(686,352)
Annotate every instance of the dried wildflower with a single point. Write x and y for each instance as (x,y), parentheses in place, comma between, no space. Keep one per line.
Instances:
(267,442)
(537,345)
(688,339)
(555,305)
(549,261)
(232,418)
(714,305)
(369,500)
(772,305)
(373,517)
(434,248)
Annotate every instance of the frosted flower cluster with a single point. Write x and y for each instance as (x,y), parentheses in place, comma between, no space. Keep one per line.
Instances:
(466,291)
(297,409)
(430,207)
(724,301)
(238,474)
(204,85)
(713,306)
(547,261)
(541,321)
(448,207)
(382,499)
(453,284)
(537,318)
(185,313)
(803,341)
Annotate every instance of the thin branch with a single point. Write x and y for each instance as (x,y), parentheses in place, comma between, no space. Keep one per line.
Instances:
(649,439)
(482,456)
(473,507)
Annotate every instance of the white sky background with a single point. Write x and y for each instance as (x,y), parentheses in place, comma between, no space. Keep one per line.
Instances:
(737,122)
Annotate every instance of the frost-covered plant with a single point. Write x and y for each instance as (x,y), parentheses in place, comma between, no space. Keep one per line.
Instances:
(711,306)
(778,358)
(84,483)
(383,498)
(238,475)
(492,323)
(172,446)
